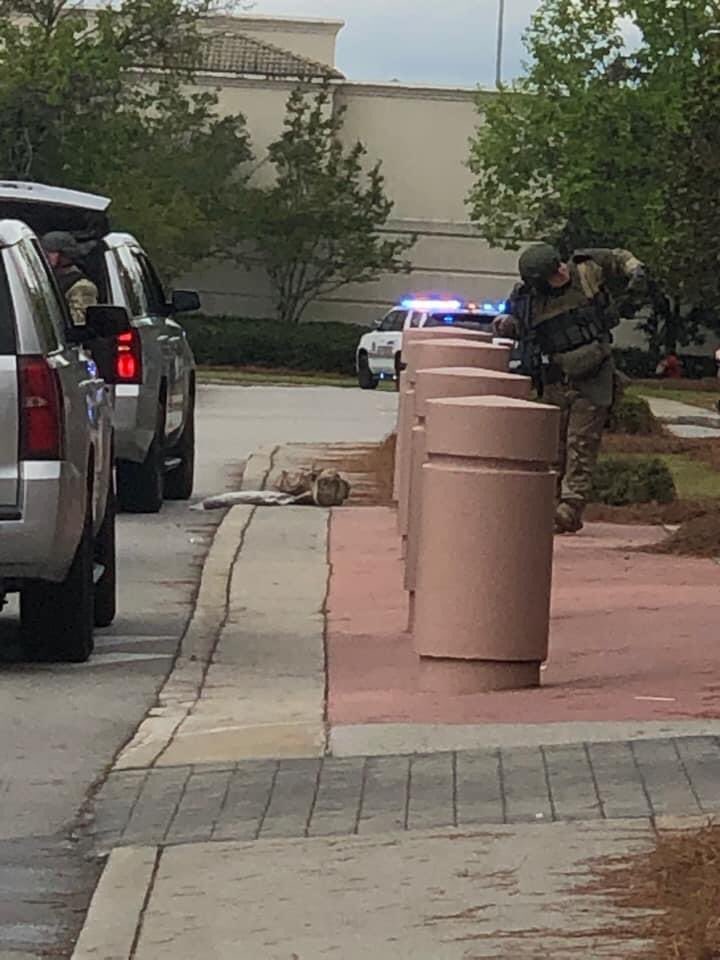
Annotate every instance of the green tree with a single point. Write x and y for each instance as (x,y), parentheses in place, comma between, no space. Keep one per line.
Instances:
(319,225)
(597,145)
(98,101)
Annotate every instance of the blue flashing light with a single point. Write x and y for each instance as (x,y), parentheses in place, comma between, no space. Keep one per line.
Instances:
(448,321)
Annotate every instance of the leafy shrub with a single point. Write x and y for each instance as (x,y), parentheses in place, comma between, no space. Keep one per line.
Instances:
(618,481)
(632,415)
(234,341)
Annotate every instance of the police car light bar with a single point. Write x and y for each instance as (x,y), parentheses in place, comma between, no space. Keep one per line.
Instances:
(431,304)
(488,306)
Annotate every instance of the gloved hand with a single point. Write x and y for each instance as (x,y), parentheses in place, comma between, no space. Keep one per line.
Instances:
(505,326)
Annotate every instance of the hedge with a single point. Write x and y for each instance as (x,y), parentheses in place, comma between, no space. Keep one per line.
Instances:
(618,481)
(234,341)
(632,415)
(329,347)
(638,364)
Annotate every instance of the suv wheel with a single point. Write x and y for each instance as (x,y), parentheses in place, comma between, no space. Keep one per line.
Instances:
(57,618)
(141,485)
(106,586)
(179,481)
(366,380)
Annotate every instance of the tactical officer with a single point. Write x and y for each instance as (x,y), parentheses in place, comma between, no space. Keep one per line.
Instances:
(65,255)
(564,313)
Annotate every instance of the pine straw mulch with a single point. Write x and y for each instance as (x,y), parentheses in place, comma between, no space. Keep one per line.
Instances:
(368,468)
(669,895)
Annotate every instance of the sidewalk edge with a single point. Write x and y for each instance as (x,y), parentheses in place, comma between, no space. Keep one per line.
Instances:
(116,910)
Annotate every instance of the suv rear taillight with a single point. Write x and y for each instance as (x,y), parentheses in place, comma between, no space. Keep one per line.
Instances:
(41,410)
(128,361)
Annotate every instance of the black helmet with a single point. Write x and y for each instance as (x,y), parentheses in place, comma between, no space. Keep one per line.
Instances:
(60,241)
(538,263)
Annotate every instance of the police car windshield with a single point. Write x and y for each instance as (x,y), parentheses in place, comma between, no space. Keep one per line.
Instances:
(469,321)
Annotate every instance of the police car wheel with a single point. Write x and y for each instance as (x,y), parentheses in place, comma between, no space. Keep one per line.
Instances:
(366,380)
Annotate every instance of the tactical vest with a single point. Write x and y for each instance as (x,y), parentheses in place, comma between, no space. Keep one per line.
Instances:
(572,329)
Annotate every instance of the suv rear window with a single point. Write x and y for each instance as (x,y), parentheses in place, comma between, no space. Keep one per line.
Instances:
(7,315)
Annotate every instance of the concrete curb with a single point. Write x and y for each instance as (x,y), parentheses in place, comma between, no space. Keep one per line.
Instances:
(117,905)
(182,688)
(711,422)
(259,467)
(385,739)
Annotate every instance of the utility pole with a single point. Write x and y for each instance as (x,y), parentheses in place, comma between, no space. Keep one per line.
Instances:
(500,38)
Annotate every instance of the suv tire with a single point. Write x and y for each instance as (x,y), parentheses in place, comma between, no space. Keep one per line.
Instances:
(141,486)
(366,380)
(180,481)
(57,618)
(105,554)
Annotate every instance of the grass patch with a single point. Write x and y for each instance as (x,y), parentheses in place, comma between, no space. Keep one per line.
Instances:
(257,376)
(696,393)
(693,479)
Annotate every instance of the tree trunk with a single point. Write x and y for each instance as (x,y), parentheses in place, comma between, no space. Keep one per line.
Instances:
(671,332)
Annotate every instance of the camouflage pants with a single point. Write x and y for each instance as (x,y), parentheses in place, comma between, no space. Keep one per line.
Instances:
(581,428)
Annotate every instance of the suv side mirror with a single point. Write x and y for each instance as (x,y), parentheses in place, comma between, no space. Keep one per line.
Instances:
(377,323)
(184,301)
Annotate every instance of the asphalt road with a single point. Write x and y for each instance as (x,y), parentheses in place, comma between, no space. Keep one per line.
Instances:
(62,725)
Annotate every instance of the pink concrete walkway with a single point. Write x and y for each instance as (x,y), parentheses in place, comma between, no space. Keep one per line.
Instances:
(634,636)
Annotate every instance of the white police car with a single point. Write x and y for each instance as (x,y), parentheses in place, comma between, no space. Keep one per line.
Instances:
(378,353)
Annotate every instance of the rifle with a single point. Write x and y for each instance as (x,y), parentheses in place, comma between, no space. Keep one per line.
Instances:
(520,309)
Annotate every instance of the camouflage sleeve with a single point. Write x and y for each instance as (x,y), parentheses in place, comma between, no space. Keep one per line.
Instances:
(80,296)
(616,264)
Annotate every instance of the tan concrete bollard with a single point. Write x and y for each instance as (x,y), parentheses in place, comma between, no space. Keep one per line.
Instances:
(424,333)
(486,540)
(439,353)
(435,385)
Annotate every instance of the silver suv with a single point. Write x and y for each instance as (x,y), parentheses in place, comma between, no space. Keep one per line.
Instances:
(57,508)
(154,365)
(155,377)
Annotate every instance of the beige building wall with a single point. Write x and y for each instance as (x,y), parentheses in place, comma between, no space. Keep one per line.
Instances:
(421,136)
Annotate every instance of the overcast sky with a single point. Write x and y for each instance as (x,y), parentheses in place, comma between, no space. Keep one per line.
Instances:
(448,42)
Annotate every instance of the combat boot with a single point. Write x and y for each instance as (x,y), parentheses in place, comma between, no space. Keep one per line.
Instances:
(568,517)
